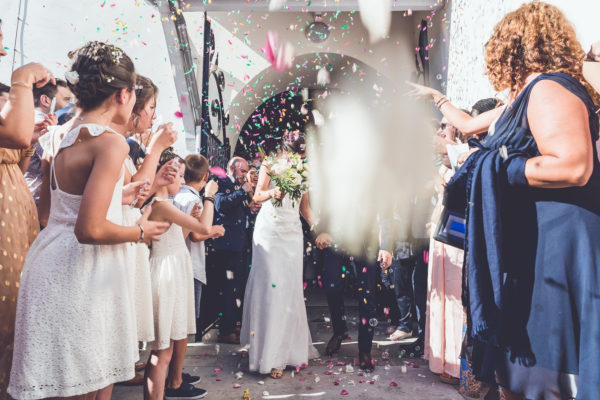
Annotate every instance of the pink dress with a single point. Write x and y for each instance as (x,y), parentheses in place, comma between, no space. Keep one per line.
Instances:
(445,313)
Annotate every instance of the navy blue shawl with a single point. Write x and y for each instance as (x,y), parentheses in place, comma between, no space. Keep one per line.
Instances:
(500,240)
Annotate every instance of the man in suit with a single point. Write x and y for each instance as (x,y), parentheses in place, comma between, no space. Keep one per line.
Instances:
(230,212)
(335,270)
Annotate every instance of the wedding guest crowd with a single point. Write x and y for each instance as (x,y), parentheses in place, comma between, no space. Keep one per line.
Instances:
(110,241)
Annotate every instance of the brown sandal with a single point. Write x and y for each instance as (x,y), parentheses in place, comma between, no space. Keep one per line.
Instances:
(276,373)
(450,380)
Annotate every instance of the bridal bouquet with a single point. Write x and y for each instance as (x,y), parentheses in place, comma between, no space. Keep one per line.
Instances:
(289,173)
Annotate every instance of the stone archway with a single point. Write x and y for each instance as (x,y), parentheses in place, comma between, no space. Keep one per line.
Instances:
(346,74)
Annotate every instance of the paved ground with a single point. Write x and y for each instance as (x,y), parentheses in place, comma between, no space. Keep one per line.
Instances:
(223,369)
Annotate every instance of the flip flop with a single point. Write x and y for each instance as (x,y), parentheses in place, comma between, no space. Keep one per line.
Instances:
(399,335)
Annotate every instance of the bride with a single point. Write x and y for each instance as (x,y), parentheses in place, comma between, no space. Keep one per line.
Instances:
(274,323)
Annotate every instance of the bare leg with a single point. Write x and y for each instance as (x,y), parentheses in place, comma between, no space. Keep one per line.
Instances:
(176,366)
(87,396)
(105,394)
(156,373)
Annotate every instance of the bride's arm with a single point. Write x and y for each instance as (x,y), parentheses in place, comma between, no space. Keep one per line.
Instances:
(305,210)
(262,192)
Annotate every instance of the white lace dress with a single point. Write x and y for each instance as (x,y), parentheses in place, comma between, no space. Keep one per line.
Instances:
(274,323)
(75,329)
(172,288)
(139,262)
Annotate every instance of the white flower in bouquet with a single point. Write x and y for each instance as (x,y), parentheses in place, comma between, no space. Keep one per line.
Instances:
(297,178)
(289,174)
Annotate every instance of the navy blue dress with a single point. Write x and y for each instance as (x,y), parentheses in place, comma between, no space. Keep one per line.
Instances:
(534,299)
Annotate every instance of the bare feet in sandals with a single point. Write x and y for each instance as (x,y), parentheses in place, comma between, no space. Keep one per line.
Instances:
(276,373)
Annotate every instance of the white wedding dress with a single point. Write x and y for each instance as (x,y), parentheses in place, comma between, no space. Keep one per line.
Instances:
(274,323)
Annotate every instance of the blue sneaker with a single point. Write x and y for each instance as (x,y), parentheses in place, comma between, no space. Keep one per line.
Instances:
(184,392)
(191,379)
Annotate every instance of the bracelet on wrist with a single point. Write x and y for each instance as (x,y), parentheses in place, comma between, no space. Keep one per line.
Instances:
(439,106)
(141,238)
(22,84)
(440,101)
(208,198)
(27,152)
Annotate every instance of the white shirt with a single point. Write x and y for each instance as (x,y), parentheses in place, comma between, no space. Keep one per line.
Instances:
(186,199)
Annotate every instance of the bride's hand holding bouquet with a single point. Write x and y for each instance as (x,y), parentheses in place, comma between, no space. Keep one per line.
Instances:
(290,176)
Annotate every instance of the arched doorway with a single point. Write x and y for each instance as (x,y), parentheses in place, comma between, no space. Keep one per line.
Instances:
(274,102)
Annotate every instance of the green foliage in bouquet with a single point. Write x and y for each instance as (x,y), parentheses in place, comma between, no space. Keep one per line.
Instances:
(289,173)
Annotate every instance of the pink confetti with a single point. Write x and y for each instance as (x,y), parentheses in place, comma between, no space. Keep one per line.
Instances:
(344,392)
(328,372)
(219,379)
(237,386)
(217,370)
(394,384)
(280,55)
(178,114)
(218,171)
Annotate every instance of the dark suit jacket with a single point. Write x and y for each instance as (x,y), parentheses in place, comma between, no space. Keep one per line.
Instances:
(230,211)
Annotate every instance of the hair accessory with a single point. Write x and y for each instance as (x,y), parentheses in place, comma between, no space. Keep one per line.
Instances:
(109,78)
(116,54)
(72,77)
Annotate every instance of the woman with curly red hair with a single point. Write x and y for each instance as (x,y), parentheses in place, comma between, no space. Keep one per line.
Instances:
(533,214)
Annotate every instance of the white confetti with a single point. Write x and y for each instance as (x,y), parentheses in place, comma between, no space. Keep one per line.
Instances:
(276,5)
(323,76)
(376,15)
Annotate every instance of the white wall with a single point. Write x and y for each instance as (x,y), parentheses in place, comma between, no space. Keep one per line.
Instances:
(54,27)
(472,25)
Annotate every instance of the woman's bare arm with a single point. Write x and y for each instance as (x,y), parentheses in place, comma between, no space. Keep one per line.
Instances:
(162,139)
(92,227)
(559,123)
(262,192)
(166,211)
(462,121)
(17,116)
(306,211)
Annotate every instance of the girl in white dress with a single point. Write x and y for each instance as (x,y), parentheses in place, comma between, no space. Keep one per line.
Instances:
(75,331)
(141,121)
(274,323)
(172,278)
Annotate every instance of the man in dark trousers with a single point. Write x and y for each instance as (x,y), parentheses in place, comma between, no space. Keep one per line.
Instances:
(230,211)
(366,270)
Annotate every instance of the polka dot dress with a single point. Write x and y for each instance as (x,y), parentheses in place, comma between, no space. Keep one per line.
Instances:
(18,227)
